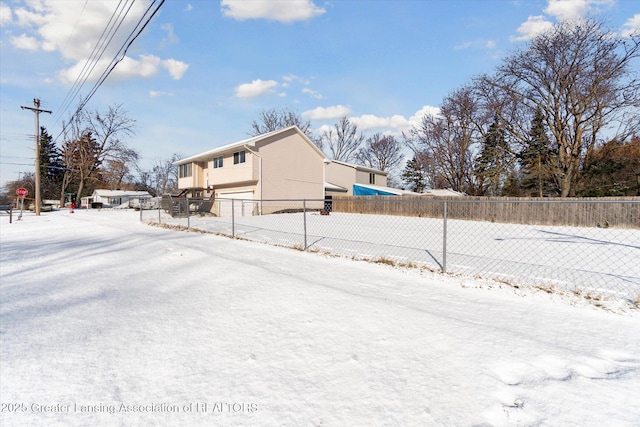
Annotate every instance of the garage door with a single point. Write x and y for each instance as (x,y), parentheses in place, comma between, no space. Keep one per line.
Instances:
(243,204)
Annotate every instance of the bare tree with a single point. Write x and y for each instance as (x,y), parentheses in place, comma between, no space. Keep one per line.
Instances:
(272,120)
(447,139)
(91,139)
(581,77)
(342,141)
(382,152)
(165,174)
(118,167)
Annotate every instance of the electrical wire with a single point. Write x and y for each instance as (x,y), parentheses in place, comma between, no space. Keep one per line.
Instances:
(100,47)
(120,55)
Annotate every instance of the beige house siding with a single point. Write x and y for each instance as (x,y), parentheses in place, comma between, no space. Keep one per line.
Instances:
(283,164)
(345,176)
(230,174)
(291,168)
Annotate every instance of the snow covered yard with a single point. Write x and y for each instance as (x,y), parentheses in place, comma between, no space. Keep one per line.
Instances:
(107,321)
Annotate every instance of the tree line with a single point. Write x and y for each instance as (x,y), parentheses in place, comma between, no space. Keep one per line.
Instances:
(559,117)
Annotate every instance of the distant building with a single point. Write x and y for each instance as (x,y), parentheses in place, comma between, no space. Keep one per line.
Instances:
(114,198)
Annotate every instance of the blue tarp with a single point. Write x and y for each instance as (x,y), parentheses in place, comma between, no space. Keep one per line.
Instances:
(359,190)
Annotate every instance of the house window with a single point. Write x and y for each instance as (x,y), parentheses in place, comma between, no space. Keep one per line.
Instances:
(372,178)
(184,170)
(238,157)
(217,162)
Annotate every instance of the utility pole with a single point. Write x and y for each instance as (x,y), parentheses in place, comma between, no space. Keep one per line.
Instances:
(36,109)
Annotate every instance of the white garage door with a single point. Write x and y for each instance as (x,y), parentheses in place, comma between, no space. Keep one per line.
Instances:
(243,204)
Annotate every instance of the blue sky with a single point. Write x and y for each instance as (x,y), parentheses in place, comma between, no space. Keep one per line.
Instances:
(203,70)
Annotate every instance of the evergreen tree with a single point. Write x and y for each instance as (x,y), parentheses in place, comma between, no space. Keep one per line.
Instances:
(414,175)
(495,162)
(51,166)
(536,160)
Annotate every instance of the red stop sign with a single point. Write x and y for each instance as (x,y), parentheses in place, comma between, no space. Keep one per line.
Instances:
(22,192)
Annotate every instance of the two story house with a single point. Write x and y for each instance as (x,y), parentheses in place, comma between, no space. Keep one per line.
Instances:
(284,164)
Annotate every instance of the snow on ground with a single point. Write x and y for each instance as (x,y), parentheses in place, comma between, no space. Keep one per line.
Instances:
(108,321)
(596,262)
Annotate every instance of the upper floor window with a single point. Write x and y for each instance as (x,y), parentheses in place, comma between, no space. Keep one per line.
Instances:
(217,162)
(185,170)
(238,157)
(372,178)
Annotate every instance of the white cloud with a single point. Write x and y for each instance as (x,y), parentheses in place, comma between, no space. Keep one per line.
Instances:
(74,28)
(322,113)
(5,14)
(632,26)
(25,42)
(533,26)
(176,68)
(560,10)
(189,8)
(144,67)
(462,46)
(396,122)
(256,88)
(291,78)
(369,121)
(156,93)
(276,10)
(312,93)
(572,10)
(171,37)
(490,44)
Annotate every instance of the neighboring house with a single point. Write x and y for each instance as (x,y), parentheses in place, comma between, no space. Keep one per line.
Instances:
(114,198)
(284,164)
(344,175)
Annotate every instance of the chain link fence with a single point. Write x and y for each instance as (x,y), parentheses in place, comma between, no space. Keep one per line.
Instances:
(595,260)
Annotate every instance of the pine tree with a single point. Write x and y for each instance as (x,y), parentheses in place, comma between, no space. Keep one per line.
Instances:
(51,166)
(536,159)
(495,162)
(414,175)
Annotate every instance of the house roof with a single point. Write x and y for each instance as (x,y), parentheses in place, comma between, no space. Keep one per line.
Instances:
(120,193)
(358,167)
(377,189)
(333,187)
(443,192)
(249,142)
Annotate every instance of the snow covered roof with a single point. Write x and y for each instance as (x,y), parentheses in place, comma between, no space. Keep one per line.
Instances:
(120,193)
(443,192)
(333,187)
(250,142)
(359,167)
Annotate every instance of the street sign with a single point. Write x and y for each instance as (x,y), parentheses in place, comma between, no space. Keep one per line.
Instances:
(22,192)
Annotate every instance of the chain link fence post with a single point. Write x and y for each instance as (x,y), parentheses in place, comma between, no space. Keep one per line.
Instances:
(233,218)
(444,237)
(304,220)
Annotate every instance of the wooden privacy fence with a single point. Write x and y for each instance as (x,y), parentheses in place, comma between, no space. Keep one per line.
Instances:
(578,212)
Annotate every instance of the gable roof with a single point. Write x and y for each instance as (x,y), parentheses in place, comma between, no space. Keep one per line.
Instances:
(359,167)
(250,142)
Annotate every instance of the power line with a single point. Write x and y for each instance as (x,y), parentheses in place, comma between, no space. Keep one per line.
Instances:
(109,32)
(120,55)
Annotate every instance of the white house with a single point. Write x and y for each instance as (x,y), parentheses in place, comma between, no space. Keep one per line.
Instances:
(114,198)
